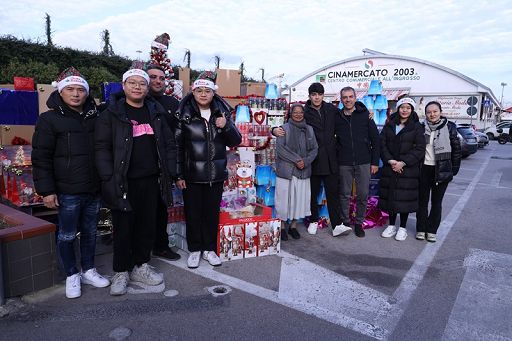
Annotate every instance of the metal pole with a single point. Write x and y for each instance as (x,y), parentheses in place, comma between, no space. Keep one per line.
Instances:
(2,294)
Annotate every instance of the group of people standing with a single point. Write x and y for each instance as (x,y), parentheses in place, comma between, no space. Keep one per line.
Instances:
(126,157)
(419,160)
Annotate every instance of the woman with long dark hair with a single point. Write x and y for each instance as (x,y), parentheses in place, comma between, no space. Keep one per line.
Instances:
(402,152)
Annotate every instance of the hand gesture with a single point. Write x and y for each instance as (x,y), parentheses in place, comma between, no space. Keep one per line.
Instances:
(220,122)
(181,184)
(300,164)
(278,132)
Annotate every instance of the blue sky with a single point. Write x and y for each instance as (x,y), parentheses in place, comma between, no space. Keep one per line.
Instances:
(290,37)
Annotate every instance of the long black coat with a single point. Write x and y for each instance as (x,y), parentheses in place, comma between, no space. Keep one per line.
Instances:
(323,122)
(63,149)
(113,145)
(201,145)
(399,191)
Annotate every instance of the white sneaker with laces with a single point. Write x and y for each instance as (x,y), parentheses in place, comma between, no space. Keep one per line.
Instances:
(390,231)
(312,228)
(212,258)
(92,277)
(431,237)
(73,287)
(146,274)
(420,235)
(341,230)
(193,259)
(401,234)
(119,283)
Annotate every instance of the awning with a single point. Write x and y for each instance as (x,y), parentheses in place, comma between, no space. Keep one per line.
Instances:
(391,94)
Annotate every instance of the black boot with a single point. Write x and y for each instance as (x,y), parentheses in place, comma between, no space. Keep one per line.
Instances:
(294,233)
(284,234)
(358,230)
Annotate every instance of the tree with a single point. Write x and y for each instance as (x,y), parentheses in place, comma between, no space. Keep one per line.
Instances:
(187,57)
(217,62)
(49,32)
(107,47)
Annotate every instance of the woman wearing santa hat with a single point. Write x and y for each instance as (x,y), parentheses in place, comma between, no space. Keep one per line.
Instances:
(204,131)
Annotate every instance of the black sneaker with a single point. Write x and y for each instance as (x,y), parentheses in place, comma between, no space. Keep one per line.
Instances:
(294,233)
(166,253)
(358,229)
(284,234)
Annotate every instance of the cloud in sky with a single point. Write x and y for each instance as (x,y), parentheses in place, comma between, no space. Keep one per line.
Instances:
(291,37)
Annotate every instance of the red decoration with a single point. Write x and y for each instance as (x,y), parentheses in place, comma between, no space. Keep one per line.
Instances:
(159,57)
(24,83)
(259,117)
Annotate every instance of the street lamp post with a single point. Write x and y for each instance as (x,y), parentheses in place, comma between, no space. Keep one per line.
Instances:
(503,85)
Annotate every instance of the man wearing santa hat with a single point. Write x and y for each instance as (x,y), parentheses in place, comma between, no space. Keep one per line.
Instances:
(65,175)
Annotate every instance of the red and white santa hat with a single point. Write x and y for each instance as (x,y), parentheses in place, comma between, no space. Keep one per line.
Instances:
(70,76)
(206,80)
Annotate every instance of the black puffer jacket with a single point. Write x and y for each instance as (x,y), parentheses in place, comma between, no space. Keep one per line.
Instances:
(202,146)
(447,169)
(113,145)
(63,149)
(323,122)
(357,138)
(399,191)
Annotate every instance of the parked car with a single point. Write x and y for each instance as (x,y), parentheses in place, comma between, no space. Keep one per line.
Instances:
(468,140)
(492,132)
(483,139)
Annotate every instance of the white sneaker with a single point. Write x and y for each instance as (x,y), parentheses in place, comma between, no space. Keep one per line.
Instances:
(341,230)
(390,231)
(212,258)
(73,287)
(420,235)
(401,234)
(431,237)
(92,277)
(312,228)
(145,274)
(119,283)
(193,259)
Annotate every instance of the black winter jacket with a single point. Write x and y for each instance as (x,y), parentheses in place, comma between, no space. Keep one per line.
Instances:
(113,145)
(323,122)
(170,105)
(63,149)
(201,146)
(399,192)
(357,138)
(447,169)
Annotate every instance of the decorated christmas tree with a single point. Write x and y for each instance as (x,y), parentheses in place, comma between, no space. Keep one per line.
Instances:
(159,57)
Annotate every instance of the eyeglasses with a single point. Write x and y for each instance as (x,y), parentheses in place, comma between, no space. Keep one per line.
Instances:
(133,84)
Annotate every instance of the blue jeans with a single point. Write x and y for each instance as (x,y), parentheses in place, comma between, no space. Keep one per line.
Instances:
(77,213)
(361,174)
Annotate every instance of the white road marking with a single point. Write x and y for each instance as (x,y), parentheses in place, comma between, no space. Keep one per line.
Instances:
(314,290)
(487,286)
(414,276)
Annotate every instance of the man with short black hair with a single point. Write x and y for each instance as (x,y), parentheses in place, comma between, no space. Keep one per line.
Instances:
(170,104)
(65,175)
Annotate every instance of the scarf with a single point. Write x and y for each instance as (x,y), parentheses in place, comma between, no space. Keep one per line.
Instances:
(298,137)
(441,144)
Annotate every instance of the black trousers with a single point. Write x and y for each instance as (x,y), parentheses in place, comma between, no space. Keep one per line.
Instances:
(403,219)
(429,190)
(134,230)
(161,236)
(331,185)
(202,205)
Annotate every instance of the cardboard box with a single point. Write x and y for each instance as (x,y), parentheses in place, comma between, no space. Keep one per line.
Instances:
(184,76)
(7,86)
(8,132)
(228,82)
(43,93)
(252,88)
